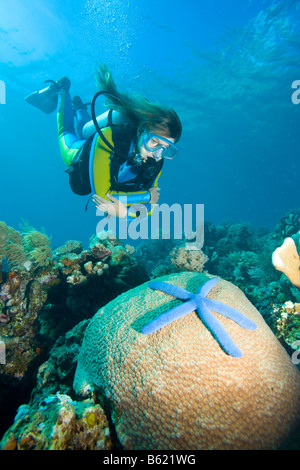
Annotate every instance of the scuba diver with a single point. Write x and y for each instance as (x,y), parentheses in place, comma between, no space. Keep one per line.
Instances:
(117,156)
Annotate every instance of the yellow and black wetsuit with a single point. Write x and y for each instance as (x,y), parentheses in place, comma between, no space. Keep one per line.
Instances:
(95,168)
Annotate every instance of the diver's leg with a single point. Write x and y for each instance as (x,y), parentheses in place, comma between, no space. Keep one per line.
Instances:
(81,118)
(68,141)
(81,115)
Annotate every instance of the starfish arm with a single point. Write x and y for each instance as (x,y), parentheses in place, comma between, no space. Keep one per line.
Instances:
(167,317)
(170,289)
(230,312)
(207,287)
(218,331)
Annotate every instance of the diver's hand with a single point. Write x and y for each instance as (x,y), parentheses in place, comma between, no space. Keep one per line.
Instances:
(154,195)
(112,207)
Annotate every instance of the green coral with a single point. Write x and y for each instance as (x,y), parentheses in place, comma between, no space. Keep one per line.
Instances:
(30,246)
(288,322)
(15,254)
(289,224)
(71,246)
(296,238)
(119,255)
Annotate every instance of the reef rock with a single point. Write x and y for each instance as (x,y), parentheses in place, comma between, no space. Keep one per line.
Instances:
(286,259)
(58,423)
(176,388)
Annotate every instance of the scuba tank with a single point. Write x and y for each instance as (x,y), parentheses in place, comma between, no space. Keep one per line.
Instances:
(98,122)
(102,120)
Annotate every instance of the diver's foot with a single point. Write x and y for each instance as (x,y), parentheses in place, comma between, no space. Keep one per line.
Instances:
(46,100)
(78,104)
(62,84)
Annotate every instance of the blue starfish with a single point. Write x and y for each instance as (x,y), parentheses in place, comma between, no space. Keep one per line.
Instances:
(200,303)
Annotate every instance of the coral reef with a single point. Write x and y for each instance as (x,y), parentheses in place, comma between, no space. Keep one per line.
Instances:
(78,266)
(176,388)
(56,374)
(286,259)
(53,419)
(289,224)
(58,423)
(24,290)
(24,250)
(204,306)
(188,260)
(155,256)
(287,315)
(288,323)
(47,300)
(247,262)
(165,256)
(44,294)
(236,252)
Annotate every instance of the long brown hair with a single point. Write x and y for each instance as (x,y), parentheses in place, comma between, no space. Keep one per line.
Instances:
(143,114)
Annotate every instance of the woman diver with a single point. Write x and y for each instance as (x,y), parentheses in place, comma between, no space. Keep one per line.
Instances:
(118,156)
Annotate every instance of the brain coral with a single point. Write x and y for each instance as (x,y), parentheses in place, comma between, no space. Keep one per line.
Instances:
(176,388)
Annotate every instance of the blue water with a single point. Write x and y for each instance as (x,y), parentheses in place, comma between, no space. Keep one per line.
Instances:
(226,66)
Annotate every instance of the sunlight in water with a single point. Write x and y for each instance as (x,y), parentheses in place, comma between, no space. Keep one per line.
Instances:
(27,36)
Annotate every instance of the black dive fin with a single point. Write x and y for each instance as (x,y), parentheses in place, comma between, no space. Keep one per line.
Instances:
(46,99)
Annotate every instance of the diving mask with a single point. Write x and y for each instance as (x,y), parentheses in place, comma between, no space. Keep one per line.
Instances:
(152,143)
